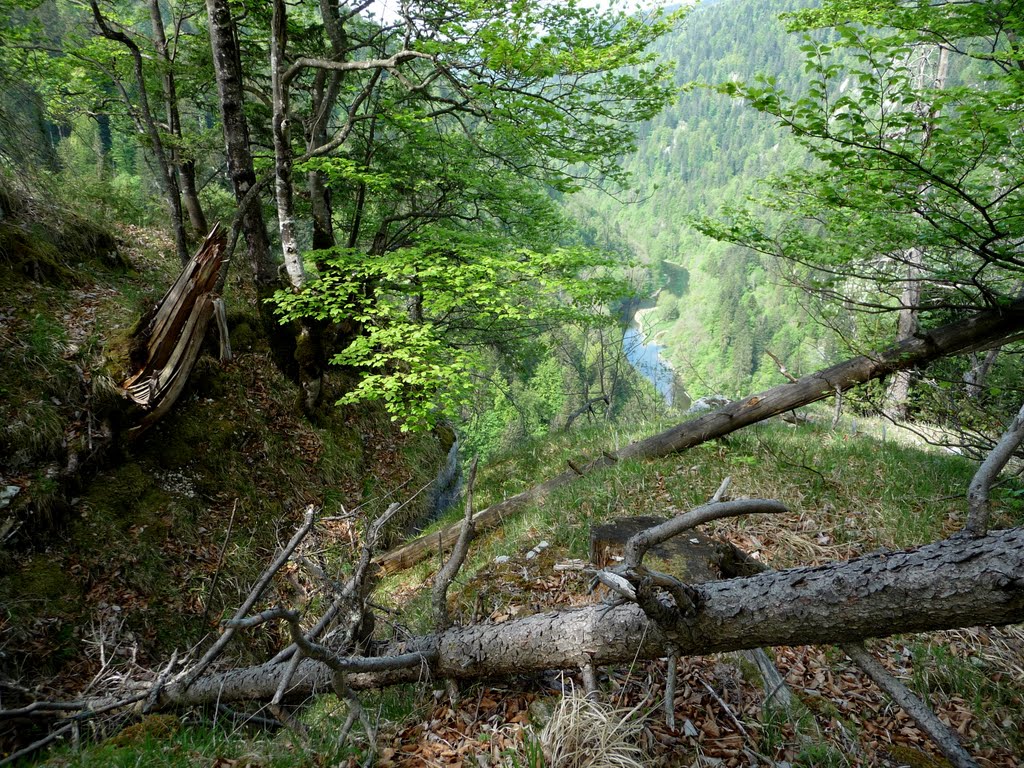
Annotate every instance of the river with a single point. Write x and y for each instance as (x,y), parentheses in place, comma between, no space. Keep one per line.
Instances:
(645,356)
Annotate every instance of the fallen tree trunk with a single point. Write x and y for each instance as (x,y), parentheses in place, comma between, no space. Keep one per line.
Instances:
(953,583)
(976,332)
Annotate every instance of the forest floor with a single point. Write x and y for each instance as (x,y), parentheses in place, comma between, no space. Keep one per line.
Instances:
(166,538)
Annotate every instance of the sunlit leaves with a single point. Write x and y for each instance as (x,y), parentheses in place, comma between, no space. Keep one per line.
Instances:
(428,310)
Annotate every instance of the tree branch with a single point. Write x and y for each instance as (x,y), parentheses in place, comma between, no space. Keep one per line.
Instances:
(450,570)
(981,483)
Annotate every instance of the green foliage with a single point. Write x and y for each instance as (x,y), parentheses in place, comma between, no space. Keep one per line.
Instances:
(427,312)
(906,157)
(720,308)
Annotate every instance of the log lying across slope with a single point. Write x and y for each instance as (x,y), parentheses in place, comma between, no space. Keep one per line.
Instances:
(979,331)
(953,583)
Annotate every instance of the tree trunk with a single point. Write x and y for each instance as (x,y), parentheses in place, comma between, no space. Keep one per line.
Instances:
(309,353)
(186,169)
(898,394)
(955,338)
(953,583)
(168,181)
(228,72)
(977,375)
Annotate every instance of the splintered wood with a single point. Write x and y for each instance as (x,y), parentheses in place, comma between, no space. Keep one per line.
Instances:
(167,344)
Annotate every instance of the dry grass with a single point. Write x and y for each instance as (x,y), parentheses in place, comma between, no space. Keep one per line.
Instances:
(584,733)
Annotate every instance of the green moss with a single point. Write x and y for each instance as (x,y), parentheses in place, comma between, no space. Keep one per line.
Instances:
(45,580)
(150,727)
(32,254)
(914,759)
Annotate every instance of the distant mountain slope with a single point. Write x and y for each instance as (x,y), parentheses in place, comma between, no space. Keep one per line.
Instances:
(719,309)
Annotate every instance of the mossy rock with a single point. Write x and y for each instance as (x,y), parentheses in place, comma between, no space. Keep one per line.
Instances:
(916,759)
(149,728)
(34,256)
(44,580)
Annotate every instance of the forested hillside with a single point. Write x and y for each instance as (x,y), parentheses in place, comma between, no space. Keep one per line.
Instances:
(721,308)
(323,441)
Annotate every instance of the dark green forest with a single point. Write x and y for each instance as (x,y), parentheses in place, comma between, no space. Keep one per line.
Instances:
(354,356)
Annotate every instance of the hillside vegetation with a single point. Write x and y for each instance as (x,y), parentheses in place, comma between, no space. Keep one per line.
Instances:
(427,272)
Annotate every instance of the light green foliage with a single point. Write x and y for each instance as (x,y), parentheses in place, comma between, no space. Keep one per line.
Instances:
(901,161)
(428,311)
(456,256)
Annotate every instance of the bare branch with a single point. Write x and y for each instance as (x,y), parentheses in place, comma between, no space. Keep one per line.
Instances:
(191,675)
(391,62)
(942,736)
(981,483)
(450,570)
(638,545)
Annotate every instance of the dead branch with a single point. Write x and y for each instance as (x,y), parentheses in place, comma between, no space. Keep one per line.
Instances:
(942,735)
(947,584)
(587,407)
(451,568)
(782,368)
(353,595)
(189,676)
(638,545)
(981,483)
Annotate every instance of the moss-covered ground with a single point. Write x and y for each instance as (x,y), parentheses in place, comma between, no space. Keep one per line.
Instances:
(110,560)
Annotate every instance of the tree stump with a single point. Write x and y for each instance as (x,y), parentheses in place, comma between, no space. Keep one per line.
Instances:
(691,557)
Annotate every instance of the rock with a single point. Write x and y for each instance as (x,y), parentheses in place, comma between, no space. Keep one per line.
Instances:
(707,404)
(7,494)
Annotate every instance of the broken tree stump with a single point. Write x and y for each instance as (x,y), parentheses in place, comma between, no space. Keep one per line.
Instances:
(168,342)
(691,557)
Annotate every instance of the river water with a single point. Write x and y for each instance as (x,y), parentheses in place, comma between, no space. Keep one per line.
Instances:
(645,356)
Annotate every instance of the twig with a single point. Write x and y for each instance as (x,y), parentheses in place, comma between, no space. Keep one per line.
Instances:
(726,707)
(981,483)
(220,561)
(782,368)
(326,655)
(590,681)
(670,689)
(352,587)
(154,694)
(35,745)
(275,703)
(722,490)
(448,572)
(943,737)
(190,676)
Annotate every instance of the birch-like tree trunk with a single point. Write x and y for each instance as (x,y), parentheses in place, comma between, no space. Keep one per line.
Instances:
(282,149)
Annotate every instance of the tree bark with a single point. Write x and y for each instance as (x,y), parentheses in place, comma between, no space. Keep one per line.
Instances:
(186,168)
(977,375)
(897,396)
(168,181)
(955,338)
(283,151)
(228,72)
(953,583)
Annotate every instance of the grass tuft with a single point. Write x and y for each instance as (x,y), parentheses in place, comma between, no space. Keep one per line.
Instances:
(584,733)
